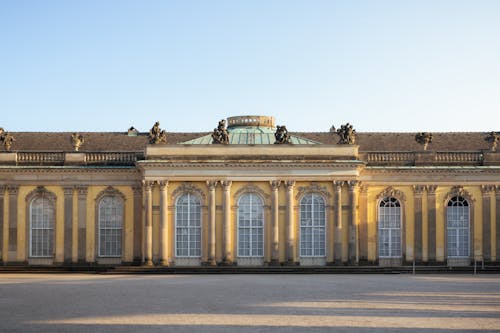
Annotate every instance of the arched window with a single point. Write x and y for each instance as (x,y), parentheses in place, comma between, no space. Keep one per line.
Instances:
(457,227)
(42,221)
(110,226)
(188,226)
(389,228)
(312,226)
(250,226)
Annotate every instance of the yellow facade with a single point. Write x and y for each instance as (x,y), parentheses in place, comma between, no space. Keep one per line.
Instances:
(350,184)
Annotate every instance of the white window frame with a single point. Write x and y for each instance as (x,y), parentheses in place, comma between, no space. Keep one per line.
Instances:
(390,203)
(455,211)
(48,246)
(119,213)
(252,229)
(189,227)
(315,252)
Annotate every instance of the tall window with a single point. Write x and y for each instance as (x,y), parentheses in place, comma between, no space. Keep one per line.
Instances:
(457,226)
(42,221)
(312,226)
(110,226)
(250,226)
(389,228)
(188,226)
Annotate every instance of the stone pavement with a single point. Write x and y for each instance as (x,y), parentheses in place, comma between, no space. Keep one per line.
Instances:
(249,303)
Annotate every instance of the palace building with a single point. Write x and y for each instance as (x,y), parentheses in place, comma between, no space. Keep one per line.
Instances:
(249,193)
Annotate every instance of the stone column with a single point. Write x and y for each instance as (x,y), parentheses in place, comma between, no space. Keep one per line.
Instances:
(337,239)
(211,184)
(431,226)
(148,259)
(290,223)
(353,225)
(486,191)
(2,193)
(363,223)
(228,253)
(418,191)
(68,223)
(13,192)
(164,224)
(497,226)
(275,250)
(82,223)
(138,222)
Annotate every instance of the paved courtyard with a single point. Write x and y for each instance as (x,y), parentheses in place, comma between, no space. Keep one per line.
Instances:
(249,303)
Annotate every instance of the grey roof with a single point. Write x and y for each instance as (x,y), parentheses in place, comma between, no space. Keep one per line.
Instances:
(121,142)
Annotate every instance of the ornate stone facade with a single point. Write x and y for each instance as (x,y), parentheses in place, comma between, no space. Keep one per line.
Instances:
(370,199)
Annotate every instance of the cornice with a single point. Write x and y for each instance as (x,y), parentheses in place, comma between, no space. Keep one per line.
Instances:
(59,169)
(250,165)
(433,169)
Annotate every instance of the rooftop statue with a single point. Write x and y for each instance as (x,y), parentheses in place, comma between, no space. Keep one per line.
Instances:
(77,141)
(493,139)
(7,139)
(220,135)
(424,139)
(346,133)
(281,135)
(157,135)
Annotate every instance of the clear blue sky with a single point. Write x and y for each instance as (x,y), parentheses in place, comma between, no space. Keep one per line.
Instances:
(380,65)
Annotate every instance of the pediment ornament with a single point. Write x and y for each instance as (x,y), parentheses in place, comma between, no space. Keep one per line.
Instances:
(391,192)
(313,188)
(188,188)
(250,188)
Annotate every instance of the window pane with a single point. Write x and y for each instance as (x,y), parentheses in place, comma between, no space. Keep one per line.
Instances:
(188,226)
(389,228)
(42,221)
(110,226)
(457,227)
(250,226)
(312,226)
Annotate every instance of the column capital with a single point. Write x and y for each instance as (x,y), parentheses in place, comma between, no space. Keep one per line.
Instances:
(290,183)
(363,189)
(338,184)
(275,184)
(226,184)
(148,184)
(418,190)
(163,184)
(431,189)
(82,190)
(487,189)
(68,190)
(211,184)
(3,188)
(498,191)
(353,184)
(137,190)
(13,189)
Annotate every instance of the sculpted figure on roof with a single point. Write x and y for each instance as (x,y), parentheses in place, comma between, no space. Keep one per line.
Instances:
(424,139)
(347,134)
(157,135)
(77,141)
(220,135)
(281,135)
(6,138)
(493,139)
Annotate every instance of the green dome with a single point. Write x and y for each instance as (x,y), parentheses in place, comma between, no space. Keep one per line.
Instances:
(250,130)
